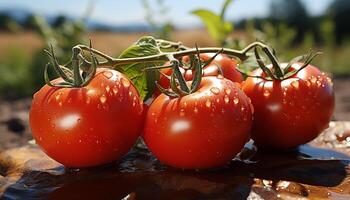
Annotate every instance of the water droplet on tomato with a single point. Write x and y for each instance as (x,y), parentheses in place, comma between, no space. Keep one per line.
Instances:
(107,88)
(313,79)
(125,82)
(295,84)
(60,103)
(53,125)
(217,100)
(266,93)
(215,90)
(97,141)
(182,112)
(107,74)
(235,100)
(228,91)
(284,101)
(103,98)
(308,83)
(58,96)
(57,142)
(195,110)
(223,110)
(208,103)
(115,90)
(318,83)
(329,80)
(130,93)
(80,141)
(226,99)
(40,138)
(185,104)
(88,100)
(243,108)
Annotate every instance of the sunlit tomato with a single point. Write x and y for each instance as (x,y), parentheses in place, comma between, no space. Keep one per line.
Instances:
(87,126)
(201,130)
(227,65)
(290,112)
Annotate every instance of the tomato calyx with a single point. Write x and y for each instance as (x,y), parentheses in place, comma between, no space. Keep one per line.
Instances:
(276,72)
(80,75)
(178,85)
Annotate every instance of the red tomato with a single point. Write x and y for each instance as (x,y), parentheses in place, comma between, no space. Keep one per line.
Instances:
(290,112)
(87,126)
(227,65)
(201,130)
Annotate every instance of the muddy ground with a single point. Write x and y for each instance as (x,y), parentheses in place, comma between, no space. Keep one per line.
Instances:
(15,131)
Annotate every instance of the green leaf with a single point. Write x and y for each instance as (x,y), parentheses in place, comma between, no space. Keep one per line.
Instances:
(224,8)
(144,80)
(217,28)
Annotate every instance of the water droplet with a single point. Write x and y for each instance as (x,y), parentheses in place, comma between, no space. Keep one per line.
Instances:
(266,93)
(125,82)
(80,141)
(217,100)
(53,125)
(195,110)
(108,88)
(115,90)
(295,84)
(243,108)
(284,101)
(182,112)
(226,99)
(130,93)
(228,91)
(40,138)
(103,98)
(57,142)
(134,103)
(107,74)
(308,83)
(329,80)
(223,110)
(215,90)
(318,83)
(220,76)
(58,96)
(60,103)
(235,100)
(313,79)
(208,103)
(88,100)
(97,141)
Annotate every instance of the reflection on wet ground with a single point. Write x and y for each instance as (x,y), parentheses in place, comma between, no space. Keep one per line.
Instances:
(318,170)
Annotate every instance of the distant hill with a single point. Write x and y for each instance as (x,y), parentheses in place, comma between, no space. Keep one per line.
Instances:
(20,16)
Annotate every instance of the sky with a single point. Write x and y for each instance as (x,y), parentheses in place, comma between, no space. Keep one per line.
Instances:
(122,12)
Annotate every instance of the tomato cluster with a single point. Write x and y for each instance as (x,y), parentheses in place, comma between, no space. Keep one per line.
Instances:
(99,122)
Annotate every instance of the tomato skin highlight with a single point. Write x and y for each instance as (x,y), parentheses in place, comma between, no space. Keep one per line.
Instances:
(87,126)
(290,112)
(204,129)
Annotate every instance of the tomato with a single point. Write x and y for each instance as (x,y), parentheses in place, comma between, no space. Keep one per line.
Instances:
(292,111)
(203,129)
(90,125)
(228,67)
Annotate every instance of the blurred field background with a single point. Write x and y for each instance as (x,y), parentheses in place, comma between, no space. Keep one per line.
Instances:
(287,25)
